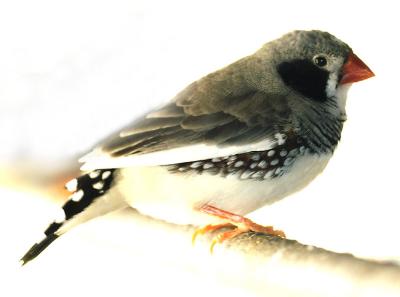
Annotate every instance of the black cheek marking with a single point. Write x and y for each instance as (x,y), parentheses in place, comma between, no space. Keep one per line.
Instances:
(305,77)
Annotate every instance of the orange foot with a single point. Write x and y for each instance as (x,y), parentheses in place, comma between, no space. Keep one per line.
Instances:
(240,224)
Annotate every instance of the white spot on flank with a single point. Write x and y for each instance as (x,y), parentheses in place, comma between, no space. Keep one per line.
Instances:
(216,160)
(253,165)
(196,164)
(72,185)
(255,157)
(283,153)
(208,165)
(238,164)
(94,174)
(268,174)
(271,153)
(60,217)
(281,138)
(77,196)
(246,174)
(263,164)
(105,174)
(288,161)
(98,186)
(274,162)
(258,174)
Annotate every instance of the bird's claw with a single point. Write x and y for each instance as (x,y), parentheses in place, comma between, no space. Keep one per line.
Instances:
(208,228)
(240,224)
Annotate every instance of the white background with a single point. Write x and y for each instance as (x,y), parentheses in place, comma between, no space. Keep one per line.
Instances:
(73,71)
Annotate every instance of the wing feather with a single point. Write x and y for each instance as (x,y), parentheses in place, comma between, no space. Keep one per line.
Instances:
(214,117)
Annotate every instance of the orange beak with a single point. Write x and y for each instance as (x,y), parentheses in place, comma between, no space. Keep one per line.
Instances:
(355,70)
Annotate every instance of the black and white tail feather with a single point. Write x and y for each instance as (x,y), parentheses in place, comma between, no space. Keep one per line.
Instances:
(90,198)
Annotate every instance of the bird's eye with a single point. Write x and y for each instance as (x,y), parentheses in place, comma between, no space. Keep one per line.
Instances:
(320,61)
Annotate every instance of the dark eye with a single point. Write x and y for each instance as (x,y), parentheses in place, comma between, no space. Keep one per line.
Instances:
(320,61)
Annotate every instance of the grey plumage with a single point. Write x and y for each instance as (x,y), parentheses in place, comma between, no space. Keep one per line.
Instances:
(244,102)
(262,128)
(246,119)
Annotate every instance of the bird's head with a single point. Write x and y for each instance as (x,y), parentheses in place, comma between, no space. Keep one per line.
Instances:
(314,64)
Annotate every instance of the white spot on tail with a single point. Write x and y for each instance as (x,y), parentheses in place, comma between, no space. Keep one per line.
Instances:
(105,174)
(94,174)
(72,185)
(98,186)
(60,217)
(77,196)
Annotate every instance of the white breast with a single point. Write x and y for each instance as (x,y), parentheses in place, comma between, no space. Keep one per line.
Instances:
(174,197)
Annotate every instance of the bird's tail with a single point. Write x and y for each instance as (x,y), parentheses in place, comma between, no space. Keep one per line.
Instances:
(91,197)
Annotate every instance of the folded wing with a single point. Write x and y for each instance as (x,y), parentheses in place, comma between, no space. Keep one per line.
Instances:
(198,124)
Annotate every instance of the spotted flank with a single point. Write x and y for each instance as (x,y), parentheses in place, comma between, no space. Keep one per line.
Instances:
(85,189)
(256,165)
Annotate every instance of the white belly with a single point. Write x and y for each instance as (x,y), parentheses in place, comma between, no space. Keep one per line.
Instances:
(175,197)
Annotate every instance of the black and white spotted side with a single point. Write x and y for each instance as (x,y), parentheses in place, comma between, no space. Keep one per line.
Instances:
(255,165)
(85,203)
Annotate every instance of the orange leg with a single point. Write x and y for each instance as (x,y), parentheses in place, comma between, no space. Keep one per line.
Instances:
(240,223)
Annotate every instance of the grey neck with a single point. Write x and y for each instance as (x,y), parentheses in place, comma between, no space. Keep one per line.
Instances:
(320,126)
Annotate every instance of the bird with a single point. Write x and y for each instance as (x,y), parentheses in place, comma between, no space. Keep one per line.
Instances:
(237,139)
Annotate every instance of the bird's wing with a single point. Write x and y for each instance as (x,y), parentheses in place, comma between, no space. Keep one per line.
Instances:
(196,125)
